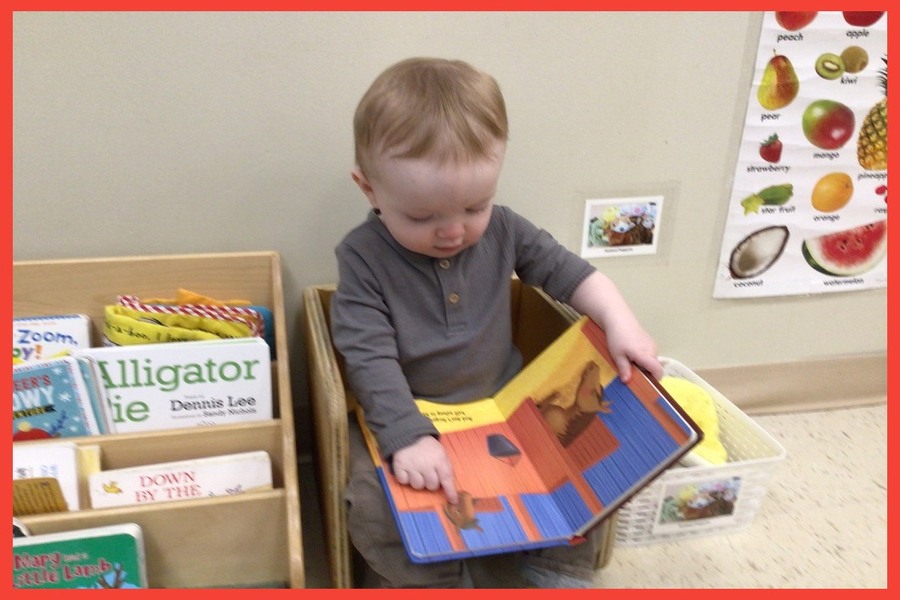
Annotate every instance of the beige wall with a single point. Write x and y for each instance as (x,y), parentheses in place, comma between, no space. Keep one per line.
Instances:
(149,133)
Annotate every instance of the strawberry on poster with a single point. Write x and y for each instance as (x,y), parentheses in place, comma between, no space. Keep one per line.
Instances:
(807,211)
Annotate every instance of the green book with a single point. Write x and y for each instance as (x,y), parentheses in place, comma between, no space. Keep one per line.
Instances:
(110,557)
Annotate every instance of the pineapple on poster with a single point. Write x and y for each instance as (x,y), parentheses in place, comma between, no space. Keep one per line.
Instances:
(807,212)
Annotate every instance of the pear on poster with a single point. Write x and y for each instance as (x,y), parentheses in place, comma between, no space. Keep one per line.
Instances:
(779,85)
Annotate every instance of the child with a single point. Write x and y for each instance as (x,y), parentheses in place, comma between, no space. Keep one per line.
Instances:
(422,305)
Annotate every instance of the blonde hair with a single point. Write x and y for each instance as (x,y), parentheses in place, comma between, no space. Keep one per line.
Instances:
(429,107)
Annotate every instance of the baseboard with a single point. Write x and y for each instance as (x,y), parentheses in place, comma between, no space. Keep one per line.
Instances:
(839,382)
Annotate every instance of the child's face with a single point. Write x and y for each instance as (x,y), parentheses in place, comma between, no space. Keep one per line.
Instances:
(436,209)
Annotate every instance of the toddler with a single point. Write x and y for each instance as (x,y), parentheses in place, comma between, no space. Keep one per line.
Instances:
(422,305)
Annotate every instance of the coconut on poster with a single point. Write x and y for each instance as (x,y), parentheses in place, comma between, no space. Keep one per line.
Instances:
(807,212)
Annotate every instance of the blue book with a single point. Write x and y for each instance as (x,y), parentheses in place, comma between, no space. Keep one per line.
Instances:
(51,400)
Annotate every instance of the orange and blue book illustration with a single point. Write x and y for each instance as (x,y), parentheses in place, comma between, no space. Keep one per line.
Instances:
(545,459)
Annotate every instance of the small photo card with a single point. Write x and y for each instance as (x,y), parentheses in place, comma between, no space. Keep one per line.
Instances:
(697,504)
(621,226)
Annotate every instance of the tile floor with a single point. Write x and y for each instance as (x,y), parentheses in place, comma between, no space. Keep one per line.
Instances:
(823,523)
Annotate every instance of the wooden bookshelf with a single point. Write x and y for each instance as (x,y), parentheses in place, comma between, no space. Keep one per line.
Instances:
(250,540)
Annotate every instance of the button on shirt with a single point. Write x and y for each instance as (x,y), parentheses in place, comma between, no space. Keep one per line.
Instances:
(444,264)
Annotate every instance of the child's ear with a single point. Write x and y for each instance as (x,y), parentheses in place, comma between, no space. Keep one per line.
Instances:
(363,182)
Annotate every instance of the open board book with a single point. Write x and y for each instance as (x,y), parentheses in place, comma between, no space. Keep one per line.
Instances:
(547,458)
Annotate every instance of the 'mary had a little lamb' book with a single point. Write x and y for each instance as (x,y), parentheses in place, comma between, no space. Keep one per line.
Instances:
(98,558)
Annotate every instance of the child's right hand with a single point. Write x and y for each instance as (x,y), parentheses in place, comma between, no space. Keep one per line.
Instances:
(425,464)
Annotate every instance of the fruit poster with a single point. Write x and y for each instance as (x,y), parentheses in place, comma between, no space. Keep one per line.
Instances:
(807,212)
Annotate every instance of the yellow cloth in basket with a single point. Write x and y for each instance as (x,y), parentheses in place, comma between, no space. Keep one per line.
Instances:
(697,402)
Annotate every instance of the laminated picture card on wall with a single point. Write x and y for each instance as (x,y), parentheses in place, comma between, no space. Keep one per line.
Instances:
(150,387)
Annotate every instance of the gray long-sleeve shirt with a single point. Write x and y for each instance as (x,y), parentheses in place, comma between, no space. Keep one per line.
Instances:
(411,326)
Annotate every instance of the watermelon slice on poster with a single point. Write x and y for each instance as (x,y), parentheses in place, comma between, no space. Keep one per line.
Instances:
(850,252)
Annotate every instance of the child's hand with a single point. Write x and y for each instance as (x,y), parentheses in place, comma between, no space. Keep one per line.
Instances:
(425,464)
(599,298)
(627,344)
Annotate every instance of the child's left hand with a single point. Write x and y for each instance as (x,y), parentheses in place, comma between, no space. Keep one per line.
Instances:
(599,298)
(632,343)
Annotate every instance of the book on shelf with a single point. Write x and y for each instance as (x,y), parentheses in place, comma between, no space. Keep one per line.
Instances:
(52,476)
(92,384)
(108,557)
(546,459)
(151,387)
(51,399)
(45,337)
(38,495)
(20,529)
(56,460)
(229,474)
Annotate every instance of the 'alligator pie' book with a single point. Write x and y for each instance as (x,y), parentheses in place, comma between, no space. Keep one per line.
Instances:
(544,460)
(174,385)
(108,557)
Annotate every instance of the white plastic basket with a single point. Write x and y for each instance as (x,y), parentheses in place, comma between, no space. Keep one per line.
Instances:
(688,502)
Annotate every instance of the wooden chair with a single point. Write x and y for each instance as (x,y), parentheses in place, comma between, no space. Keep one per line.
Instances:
(537,320)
